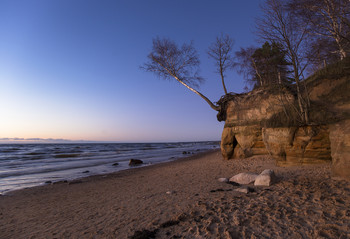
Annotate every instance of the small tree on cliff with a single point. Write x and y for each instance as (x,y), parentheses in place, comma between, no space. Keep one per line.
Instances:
(169,61)
(221,52)
(270,61)
(263,66)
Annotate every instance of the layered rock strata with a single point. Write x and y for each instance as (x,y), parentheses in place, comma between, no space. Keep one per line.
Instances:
(298,145)
(259,122)
(247,132)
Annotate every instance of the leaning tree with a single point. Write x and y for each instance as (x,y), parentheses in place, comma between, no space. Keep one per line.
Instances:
(169,61)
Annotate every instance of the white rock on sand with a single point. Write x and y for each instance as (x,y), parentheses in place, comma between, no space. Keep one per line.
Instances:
(223,180)
(244,178)
(266,178)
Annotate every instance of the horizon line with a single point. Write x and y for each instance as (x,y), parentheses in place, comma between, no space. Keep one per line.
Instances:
(68,141)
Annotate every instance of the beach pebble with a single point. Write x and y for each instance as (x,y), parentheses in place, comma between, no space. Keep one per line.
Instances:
(244,189)
(266,178)
(75,182)
(59,182)
(223,180)
(134,162)
(170,192)
(244,178)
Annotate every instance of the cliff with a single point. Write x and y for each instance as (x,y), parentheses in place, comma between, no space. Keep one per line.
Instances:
(265,121)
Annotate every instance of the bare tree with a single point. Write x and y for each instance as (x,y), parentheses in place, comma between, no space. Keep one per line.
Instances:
(280,25)
(247,67)
(322,51)
(169,61)
(221,52)
(328,18)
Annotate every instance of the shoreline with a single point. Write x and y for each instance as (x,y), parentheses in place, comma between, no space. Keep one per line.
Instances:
(183,198)
(104,175)
(26,166)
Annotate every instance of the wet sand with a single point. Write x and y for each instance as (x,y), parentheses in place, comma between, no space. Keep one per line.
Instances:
(183,199)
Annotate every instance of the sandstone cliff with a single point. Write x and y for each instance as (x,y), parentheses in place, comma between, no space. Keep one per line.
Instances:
(263,122)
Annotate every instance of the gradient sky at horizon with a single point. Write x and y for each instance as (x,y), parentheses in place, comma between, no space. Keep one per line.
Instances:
(70,69)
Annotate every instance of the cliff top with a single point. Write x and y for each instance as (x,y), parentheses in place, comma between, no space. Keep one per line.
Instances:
(328,91)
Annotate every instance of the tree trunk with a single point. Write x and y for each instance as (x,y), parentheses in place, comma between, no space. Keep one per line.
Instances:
(222,80)
(211,104)
(257,72)
(342,52)
(303,108)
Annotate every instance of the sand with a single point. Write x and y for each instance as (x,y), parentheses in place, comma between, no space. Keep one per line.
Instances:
(183,199)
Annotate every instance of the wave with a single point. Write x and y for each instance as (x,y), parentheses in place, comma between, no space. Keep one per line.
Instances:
(66,155)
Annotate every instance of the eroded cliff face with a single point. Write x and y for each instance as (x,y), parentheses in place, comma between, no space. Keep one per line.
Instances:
(242,134)
(255,124)
(246,132)
(298,145)
(242,142)
(340,145)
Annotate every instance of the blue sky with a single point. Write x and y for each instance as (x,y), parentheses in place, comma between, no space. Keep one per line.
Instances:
(70,68)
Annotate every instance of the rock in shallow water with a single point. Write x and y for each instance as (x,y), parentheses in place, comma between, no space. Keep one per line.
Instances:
(244,178)
(134,162)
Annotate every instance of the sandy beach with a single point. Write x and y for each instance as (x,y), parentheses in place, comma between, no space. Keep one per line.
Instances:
(183,199)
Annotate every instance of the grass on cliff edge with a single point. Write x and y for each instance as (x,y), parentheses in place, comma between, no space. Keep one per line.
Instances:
(321,112)
(336,70)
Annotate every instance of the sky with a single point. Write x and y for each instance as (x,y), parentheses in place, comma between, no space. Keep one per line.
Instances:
(70,69)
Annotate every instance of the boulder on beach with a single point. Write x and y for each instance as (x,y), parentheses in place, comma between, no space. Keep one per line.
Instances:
(134,162)
(266,178)
(244,178)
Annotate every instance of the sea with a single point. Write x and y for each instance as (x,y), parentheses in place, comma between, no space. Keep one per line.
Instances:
(29,165)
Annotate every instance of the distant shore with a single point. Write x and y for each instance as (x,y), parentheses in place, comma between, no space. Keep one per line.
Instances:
(183,198)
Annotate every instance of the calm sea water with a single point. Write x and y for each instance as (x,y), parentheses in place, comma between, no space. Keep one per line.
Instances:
(28,165)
